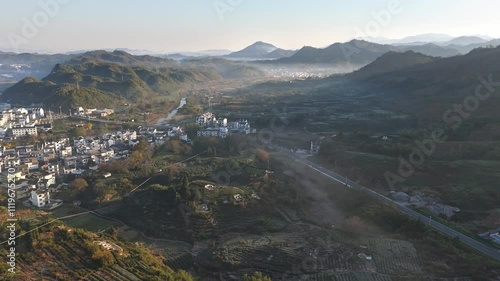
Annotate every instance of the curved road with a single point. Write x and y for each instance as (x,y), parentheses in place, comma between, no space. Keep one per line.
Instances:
(481,247)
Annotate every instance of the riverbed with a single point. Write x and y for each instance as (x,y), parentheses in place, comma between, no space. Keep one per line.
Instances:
(171,115)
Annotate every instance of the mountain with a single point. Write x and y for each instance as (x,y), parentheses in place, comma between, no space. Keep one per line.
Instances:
(102,78)
(31,90)
(454,73)
(177,56)
(434,38)
(204,67)
(136,52)
(391,61)
(257,50)
(98,84)
(412,40)
(205,53)
(425,88)
(122,57)
(427,37)
(355,52)
(31,58)
(360,53)
(432,50)
(465,40)
(18,66)
(280,53)
(467,48)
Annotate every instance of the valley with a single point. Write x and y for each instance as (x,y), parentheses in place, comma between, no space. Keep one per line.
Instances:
(354,161)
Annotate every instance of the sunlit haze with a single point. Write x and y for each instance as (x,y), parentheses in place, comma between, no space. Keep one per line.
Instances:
(193,25)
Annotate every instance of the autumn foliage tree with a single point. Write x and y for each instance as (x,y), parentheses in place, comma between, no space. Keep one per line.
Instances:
(79,184)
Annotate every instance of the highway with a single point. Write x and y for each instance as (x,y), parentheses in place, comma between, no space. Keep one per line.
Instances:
(479,246)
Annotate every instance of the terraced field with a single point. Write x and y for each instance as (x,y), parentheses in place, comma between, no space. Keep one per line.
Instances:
(64,253)
(318,254)
(362,276)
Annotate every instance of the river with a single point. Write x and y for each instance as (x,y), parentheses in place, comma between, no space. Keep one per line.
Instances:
(173,113)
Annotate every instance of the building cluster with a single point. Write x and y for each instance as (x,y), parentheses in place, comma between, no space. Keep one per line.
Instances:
(492,235)
(86,153)
(18,122)
(30,176)
(210,126)
(94,112)
(37,166)
(158,137)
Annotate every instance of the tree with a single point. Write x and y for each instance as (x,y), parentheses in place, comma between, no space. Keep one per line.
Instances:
(263,155)
(185,192)
(354,224)
(79,184)
(162,195)
(142,146)
(257,276)
(78,132)
(102,257)
(192,130)
(195,194)
(185,182)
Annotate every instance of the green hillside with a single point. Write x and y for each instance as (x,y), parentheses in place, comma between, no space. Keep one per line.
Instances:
(100,78)
(95,84)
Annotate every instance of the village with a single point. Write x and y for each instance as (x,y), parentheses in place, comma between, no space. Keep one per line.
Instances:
(35,170)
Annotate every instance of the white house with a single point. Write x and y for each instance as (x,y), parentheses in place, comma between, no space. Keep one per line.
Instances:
(213,132)
(23,131)
(40,198)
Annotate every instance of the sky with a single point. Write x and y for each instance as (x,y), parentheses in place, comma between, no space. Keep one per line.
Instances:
(167,26)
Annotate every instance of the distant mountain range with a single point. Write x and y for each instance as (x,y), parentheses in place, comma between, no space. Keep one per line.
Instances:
(356,52)
(458,70)
(29,64)
(436,38)
(344,56)
(360,52)
(465,40)
(426,87)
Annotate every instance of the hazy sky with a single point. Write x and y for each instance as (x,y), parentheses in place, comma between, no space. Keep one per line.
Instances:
(191,25)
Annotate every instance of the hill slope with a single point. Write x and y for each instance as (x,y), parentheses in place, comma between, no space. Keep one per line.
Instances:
(427,90)
(391,61)
(98,84)
(432,50)
(458,70)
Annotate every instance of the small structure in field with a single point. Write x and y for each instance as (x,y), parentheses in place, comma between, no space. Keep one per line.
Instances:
(209,187)
(238,197)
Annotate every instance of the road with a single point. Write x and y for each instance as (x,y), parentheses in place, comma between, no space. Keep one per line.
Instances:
(481,247)
(101,120)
